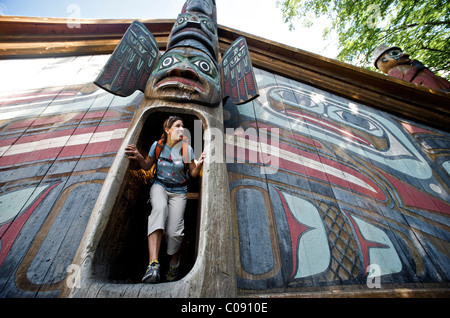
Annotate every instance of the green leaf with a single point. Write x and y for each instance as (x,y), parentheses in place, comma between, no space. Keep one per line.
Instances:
(420,28)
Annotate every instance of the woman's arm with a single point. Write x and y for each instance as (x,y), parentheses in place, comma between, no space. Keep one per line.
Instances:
(196,167)
(133,154)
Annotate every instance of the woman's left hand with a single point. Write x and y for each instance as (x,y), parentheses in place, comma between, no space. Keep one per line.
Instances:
(196,166)
(201,159)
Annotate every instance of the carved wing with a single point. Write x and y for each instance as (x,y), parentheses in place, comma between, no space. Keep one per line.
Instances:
(131,63)
(238,79)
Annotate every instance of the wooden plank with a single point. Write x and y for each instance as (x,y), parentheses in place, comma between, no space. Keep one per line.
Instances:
(193,195)
(35,37)
(20,28)
(75,165)
(343,151)
(52,132)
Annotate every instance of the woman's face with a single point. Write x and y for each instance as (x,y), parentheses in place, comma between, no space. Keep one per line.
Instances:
(176,131)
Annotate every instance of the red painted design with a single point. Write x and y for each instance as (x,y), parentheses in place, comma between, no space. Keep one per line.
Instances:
(227,88)
(234,92)
(250,83)
(415,198)
(12,229)
(85,149)
(315,173)
(365,244)
(35,97)
(414,130)
(326,125)
(296,230)
(242,86)
(122,77)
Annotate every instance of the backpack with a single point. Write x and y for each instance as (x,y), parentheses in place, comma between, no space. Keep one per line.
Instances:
(184,154)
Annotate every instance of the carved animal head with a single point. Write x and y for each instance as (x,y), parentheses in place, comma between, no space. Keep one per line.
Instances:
(185,75)
(387,58)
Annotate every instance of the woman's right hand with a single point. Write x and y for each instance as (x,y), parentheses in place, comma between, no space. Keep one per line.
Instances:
(132,153)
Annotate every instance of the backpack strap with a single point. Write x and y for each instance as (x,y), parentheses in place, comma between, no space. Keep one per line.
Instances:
(159,148)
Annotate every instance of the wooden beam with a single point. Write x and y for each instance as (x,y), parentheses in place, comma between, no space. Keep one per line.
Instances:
(23,37)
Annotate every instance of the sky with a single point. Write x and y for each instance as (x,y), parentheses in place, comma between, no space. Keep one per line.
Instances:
(257,17)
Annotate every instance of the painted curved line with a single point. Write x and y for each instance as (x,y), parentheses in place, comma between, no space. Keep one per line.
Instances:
(21,278)
(272,232)
(310,250)
(312,165)
(376,247)
(14,229)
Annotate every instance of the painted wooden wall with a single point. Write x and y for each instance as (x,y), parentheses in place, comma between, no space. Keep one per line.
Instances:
(353,198)
(59,134)
(349,192)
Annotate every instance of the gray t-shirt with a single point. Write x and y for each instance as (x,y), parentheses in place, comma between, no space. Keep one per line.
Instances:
(170,166)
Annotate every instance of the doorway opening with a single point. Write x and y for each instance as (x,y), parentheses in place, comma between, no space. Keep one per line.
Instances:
(122,254)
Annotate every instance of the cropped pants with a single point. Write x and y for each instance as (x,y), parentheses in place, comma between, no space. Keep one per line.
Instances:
(167,215)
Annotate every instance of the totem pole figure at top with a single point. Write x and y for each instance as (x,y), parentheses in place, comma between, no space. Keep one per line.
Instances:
(190,71)
(393,62)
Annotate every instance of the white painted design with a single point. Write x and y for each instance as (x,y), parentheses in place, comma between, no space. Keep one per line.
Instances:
(64,141)
(13,203)
(385,257)
(313,250)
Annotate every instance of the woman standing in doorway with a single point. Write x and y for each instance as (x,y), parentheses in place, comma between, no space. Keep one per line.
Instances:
(167,195)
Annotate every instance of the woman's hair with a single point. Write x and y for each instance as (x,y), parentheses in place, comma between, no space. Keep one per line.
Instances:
(168,123)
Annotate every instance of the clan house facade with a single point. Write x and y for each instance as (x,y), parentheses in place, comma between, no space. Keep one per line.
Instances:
(322,179)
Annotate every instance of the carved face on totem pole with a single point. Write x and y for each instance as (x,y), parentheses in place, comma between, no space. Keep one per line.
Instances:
(193,29)
(185,74)
(388,58)
(393,62)
(189,71)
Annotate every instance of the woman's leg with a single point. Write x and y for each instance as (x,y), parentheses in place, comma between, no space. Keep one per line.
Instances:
(175,223)
(157,220)
(156,224)
(154,243)
(175,232)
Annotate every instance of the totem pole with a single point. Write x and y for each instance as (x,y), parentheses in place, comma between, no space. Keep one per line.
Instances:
(393,62)
(190,78)
(189,70)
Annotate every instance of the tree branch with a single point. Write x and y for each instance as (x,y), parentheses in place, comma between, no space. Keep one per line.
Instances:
(431,49)
(403,27)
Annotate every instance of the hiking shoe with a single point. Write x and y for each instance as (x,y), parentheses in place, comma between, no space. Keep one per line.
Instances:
(172,273)
(152,274)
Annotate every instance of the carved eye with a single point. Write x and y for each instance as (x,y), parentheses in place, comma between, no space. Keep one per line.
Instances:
(209,26)
(395,54)
(181,20)
(203,66)
(169,61)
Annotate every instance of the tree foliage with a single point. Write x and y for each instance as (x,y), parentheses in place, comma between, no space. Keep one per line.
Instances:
(420,28)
